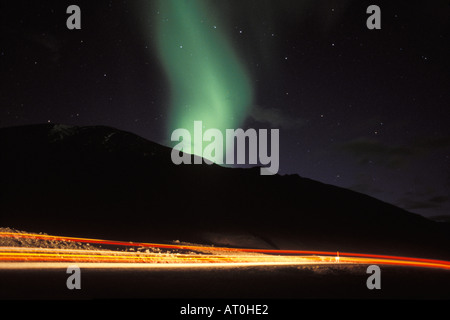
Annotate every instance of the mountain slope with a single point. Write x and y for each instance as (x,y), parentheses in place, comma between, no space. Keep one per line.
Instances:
(105,183)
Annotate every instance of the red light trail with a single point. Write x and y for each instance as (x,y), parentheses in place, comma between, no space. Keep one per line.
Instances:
(214,256)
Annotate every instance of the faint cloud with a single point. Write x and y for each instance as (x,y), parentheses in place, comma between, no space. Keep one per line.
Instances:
(43,44)
(428,203)
(365,184)
(368,150)
(439,199)
(275,118)
(432,143)
(50,43)
(417,204)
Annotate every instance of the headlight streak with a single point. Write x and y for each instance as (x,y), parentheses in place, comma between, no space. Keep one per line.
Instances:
(215,256)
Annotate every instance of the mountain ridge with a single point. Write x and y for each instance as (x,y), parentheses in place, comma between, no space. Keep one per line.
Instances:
(98,181)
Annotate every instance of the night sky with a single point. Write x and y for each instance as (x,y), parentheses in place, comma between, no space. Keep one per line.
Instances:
(361,109)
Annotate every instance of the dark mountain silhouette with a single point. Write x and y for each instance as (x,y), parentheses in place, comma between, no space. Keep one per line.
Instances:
(105,183)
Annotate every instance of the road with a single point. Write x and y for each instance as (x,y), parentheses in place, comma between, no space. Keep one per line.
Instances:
(155,271)
(167,255)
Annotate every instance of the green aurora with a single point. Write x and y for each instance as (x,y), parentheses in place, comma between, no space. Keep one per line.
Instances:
(208,82)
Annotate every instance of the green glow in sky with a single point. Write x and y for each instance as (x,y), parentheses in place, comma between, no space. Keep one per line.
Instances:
(208,81)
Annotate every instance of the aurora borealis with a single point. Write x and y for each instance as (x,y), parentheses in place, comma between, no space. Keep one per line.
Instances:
(208,81)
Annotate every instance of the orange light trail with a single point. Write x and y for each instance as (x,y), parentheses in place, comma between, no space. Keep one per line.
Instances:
(219,255)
